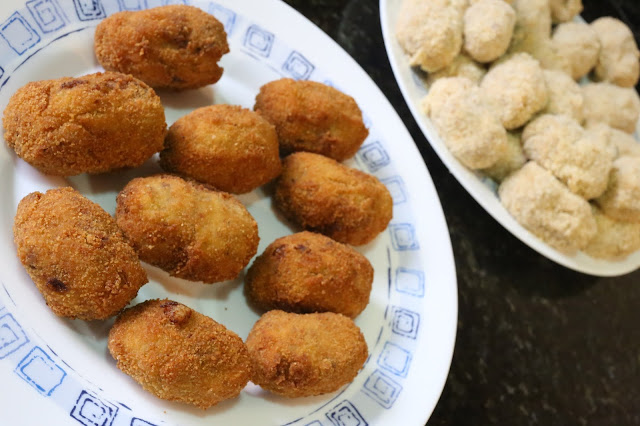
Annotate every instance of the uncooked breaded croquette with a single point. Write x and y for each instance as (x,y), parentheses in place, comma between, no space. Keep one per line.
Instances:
(430,33)
(544,206)
(621,200)
(321,195)
(296,355)
(179,354)
(620,143)
(308,272)
(76,255)
(618,61)
(565,95)
(515,89)
(93,124)
(470,129)
(579,43)
(533,25)
(187,229)
(488,27)
(564,10)
(510,161)
(312,117)
(462,66)
(615,240)
(616,106)
(174,46)
(228,147)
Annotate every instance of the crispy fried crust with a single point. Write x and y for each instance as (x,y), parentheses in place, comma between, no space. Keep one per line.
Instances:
(313,117)
(307,272)
(179,354)
(188,230)
(322,195)
(173,46)
(228,147)
(298,355)
(76,255)
(94,123)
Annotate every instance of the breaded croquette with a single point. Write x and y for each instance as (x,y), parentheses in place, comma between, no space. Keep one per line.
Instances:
(312,117)
(179,354)
(618,61)
(174,46)
(488,27)
(228,147)
(615,240)
(543,205)
(462,66)
(579,43)
(321,195)
(297,355)
(187,229)
(616,106)
(565,96)
(308,272)
(93,124)
(510,161)
(76,255)
(470,129)
(564,10)
(621,200)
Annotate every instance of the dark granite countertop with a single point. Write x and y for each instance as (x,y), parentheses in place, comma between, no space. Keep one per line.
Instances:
(537,344)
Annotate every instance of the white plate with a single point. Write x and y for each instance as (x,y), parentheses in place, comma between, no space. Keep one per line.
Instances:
(482,189)
(58,371)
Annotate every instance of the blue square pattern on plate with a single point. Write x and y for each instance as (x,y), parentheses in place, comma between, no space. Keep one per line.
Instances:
(19,34)
(47,14)
(395,359)
(297,66)
(40,371)
(403,237)
(410,281)
(405,322)
(131,5)
(90,410)
(345,414)
(88,10)
(224,15)
(396,188)
(382,389)
(259,40)
(139,422)
(12,337)
(374,156)
(314,423)
(156,3)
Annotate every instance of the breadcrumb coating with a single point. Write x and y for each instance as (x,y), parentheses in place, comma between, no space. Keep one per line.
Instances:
(621,200)
(579,44)
(615,240)
(179,354)
(308,272)
(76,255)
(297,355)
(462,66)
(547,208)
(488,27)
(618,61)
(565,95)
(607,103)
(512,159)
(565,10)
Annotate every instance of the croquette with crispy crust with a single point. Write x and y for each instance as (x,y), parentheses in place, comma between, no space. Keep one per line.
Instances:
(321,195)
(187,229)
(93,124)
(174,46)
(308,272)
(179,354)
(76,255)
(313,117)
(228,147)
(297,355)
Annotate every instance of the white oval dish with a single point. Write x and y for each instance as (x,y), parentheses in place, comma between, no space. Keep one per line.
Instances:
(482,189)
(63,368)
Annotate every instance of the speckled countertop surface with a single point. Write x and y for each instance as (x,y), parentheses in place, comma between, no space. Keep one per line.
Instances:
(537,344)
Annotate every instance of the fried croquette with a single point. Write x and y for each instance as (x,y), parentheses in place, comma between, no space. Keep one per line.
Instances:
(547,208)
(469,128)
(615,240)
(179,354)
(174,46)
(621,200)
(510,161)
(579,159)
(515,88)
(313,117)
(564,10)
(579,43)
(228,147)
(430,33)
(618,60)
(488,27)
(76,255)
(565,95)
(296,355)
(321,195)
(93,124)
(462,66)
(308,272)
(187,229)
(607,103)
